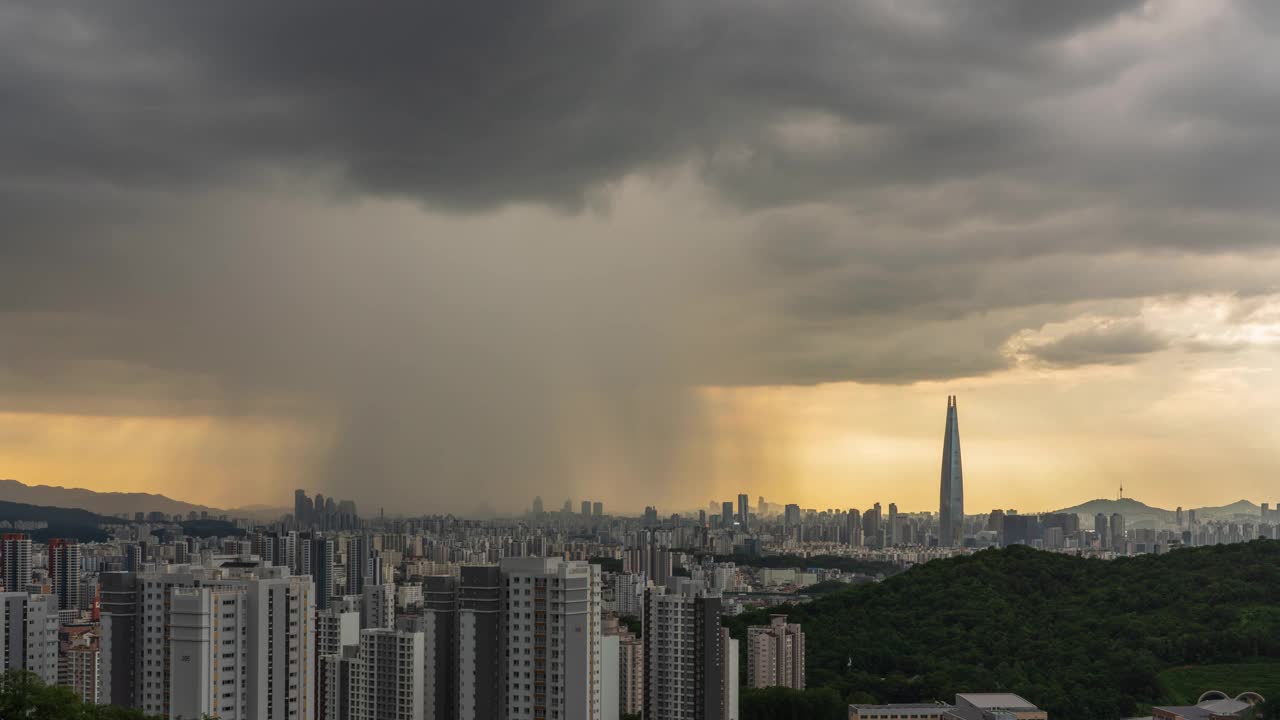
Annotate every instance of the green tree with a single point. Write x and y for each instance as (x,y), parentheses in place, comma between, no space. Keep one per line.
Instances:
(24,695)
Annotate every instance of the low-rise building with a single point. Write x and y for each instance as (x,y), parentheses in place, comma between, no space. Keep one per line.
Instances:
(968,706)
(898,711)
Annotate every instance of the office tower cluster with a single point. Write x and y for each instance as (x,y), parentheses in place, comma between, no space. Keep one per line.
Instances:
(588,510)
(323,513)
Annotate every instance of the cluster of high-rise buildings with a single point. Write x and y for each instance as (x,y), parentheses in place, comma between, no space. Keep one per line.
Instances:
(323,513)
(429,619)
(556,615)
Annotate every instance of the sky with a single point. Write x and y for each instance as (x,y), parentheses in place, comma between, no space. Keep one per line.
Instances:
(444,258)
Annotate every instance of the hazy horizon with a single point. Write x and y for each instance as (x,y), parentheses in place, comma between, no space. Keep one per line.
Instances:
(647,254)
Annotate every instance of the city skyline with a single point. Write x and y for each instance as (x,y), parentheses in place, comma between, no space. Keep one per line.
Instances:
(652,263)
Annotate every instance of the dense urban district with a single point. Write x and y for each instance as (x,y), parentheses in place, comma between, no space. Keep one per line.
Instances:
(738,611)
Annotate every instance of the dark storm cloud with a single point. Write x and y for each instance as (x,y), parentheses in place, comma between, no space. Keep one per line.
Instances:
(887,192)
(1115,343)
(485,103)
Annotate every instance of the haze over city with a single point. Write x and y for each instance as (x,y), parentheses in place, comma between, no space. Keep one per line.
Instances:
(655,254)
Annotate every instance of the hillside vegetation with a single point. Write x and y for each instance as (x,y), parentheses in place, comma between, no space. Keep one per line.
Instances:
(1083,639)
(73,523)
(1184,685)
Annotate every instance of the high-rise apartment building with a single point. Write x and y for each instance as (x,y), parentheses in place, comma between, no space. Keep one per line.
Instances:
(208,671)
(729,680)
(357,564)
(630,660)
(80,666)
(29,634)
(481,667)
(378,679)
(144,653)
(893,531)
(951,505)
(775,654)
(628,593)
(378,606)
(302,509)
(791,515)
(551,631)
(685,654)
(323,561)
(853,528)
(438,621)
(15,557)
(64,572)
(337,627)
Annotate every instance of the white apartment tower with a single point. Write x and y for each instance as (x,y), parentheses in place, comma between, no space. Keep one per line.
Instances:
(775,654)
(551,627)
(29,634)
(282,641)
(378,606)
(209,652)
(232,642)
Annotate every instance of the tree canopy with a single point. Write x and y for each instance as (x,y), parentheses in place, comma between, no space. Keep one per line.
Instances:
(24,695)
(1081,638)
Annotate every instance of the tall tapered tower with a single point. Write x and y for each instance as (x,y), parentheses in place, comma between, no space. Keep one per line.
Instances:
(951,506)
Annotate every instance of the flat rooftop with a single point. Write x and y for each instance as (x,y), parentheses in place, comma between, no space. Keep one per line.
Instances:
(995,701)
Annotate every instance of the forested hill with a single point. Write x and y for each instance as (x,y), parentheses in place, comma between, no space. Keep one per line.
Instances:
(1083,639)
(63,522)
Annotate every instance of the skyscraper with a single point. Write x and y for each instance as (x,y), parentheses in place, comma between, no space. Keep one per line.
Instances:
(480,665)
(380,679)
(322,562)
(726,514)
(551,661)
(64,571)
(853,528)
(1100,526)
(685,653)
(951,505)
(893,524)
(743,510)
(301,508)
(15,557)
(29,634)
(357,564)
(1117,533)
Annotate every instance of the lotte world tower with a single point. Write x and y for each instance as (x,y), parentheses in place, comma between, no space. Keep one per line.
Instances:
(951,505)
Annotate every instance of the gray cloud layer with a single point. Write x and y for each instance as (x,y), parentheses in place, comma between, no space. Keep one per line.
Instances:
(886,192)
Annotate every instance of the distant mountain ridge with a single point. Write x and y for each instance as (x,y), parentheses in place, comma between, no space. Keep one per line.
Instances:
(116,503)
(1137,513)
